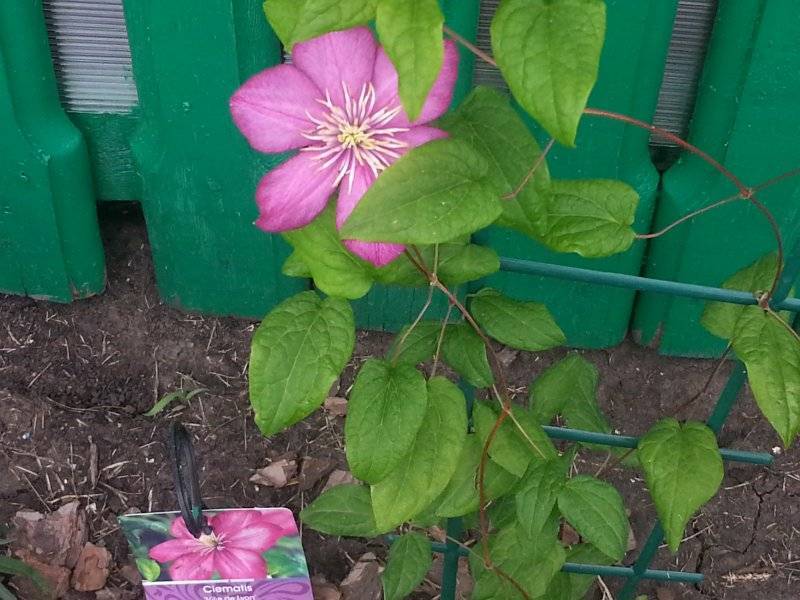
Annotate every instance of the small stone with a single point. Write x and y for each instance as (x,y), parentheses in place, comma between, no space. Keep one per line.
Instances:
(56,539)
(664,594)
(464,581)
(324,590)
(339,477)
(364,580)
(91,571)
(131,574)
(506,356)
(569,536)
(56,579)
(312,470)
(277,474)
(631,540)
(336,406)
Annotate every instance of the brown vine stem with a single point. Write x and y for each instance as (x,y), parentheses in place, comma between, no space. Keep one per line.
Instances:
(691,215)
(440,339)
(745,192)
(424,309)
(505,412)
(469,46)
(609,465)
(783,323)
(537,163)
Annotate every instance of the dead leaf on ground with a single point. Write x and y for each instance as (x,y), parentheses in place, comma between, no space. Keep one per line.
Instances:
(312,470)
(91,571)
(336,406)
(339,477)
(364,580)
(277,474)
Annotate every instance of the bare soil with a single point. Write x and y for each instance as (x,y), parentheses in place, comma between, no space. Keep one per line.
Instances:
(82,375)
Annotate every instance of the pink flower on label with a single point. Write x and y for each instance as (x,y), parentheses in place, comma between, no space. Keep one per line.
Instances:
(338,103)
(233,549)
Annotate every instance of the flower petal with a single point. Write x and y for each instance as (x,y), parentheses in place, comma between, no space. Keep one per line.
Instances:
(293,194)
(177,529)
(239,564)
(271,108)
(418,135)
(338,57)
(192,567)
(172,549)
(377,253)
(247,530)
(439,98)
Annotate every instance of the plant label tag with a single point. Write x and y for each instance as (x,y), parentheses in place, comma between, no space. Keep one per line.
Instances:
(249,554)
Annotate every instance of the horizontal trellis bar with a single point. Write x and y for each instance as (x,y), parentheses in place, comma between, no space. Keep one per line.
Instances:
(645,284)
(626,441)
(601,570)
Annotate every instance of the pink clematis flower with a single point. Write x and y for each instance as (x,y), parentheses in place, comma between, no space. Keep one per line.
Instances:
(338,103)
(233,549)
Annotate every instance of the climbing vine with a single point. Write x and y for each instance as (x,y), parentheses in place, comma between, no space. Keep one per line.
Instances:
(414,185)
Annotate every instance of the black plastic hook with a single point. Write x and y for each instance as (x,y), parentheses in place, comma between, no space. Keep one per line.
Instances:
(187,485)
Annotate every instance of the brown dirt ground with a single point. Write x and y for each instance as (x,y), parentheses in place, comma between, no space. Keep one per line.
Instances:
(82,374)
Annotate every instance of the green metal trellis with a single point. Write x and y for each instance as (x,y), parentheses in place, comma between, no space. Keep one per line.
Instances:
(639,570)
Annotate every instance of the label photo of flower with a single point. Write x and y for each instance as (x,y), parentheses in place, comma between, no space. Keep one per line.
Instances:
(243,545)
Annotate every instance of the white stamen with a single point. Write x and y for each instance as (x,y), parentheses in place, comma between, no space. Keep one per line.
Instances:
(352,134)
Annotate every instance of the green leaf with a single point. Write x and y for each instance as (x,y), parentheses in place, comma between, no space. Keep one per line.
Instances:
(465,352)
(573,378)
(384,414)
(461,495)
(488,122)
(297,20)
(511,449)
(771,354)
(426,469)
(594,508)
(167,399)
(294,266)
(458,263)
(408,563)
(411,34)
(296,354)
(335,270)
(342,510)
(149,569)
(418,346)
(591,217)
(432,194)
(537,495)
(683,469)
(585,554)
(522,325)
(13,566)
(514,553)
(720,317)
(549,54)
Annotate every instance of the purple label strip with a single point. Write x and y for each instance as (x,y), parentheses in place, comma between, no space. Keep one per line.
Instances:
(269,589)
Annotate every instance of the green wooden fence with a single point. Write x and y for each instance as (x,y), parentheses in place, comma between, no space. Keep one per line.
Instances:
(174,149)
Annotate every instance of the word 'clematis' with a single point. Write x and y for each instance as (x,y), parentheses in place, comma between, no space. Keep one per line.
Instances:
(338,103)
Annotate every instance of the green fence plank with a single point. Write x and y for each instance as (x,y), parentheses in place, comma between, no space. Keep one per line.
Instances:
(389,309)
(631,67)
(108,137)
(198,174)
(49,239)
(746,117)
